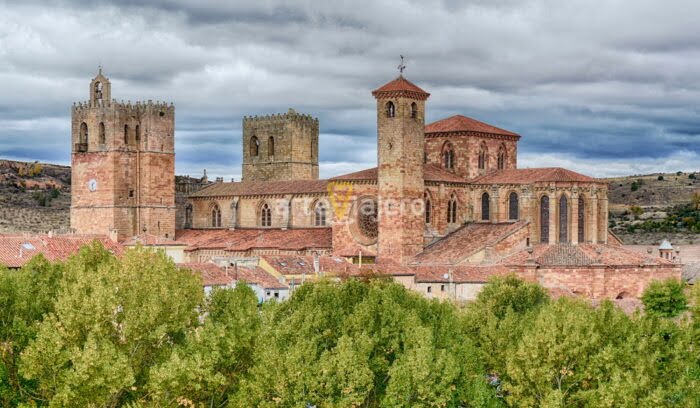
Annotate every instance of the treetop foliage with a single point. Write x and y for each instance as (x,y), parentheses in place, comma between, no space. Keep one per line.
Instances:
(138,331)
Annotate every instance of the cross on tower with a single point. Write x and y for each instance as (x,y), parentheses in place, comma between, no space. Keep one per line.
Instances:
(401,66)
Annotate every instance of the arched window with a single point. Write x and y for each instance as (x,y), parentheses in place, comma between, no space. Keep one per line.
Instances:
(265,216)
(138,133)
(428,209)
(126,134)
(414,110)
(482,156)
(502,157)
(513,206)
(271,147)
(390,109)
(485,207)
(563,219)
(254,146)
(102,133)
(98,90)
(83,138)
(544,219)
(188,216)
(452,210)
(581,219)
(448,156)
(216,216)
(320,215)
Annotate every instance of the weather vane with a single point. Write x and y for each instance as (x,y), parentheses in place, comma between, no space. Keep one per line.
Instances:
(401,66)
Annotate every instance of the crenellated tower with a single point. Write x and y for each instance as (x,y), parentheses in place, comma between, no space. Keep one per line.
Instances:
(400,151)
(123,165)
(280,147)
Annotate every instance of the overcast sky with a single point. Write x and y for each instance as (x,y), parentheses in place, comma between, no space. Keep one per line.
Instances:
(604,88)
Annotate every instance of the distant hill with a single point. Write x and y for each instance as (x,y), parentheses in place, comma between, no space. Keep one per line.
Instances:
(34,197)
(648,208)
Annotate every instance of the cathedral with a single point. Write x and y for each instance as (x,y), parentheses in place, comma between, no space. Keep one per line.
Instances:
(445,208)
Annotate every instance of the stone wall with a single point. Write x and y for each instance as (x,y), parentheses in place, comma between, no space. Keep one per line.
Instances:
(466,149)
(287,147)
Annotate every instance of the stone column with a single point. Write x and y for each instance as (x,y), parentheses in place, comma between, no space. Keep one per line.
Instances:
(287,212)
(495,213)
(603,218)
(593,218)
(574,217)
(234,213)
(552,216)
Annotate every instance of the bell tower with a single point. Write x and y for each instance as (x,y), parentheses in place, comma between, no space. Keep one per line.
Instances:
(122,165)
(400,147)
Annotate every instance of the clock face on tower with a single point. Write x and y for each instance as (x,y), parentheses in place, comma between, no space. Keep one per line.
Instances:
(92,185)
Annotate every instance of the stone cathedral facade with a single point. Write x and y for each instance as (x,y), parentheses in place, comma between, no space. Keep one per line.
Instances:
(445,208)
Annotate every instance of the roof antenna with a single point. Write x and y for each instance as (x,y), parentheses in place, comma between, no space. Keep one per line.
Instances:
(401,66)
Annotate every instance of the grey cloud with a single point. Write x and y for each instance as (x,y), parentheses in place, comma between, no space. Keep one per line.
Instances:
(616,84)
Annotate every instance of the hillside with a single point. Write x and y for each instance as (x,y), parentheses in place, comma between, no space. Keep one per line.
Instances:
(648,208)
(34,197)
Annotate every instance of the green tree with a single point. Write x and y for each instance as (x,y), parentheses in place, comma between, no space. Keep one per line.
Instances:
(113,319)
(665,298)
(207,367)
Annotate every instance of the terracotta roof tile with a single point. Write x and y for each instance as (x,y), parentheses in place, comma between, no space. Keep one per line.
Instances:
(466,241)
(431,172)
(214,275)
(247,188)
(459,123)
(526,176)
(16,250)
(400,87)
(583,255)
(460,274)
(303,264)
(246,239)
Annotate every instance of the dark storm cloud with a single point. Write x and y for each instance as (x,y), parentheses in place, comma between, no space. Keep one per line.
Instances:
(610,88)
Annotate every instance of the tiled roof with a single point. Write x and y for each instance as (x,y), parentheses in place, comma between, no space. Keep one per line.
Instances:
(459,123)
(614,239)
(247,188)
(460,274)
(151,240)
(246,239)
(300,264)
(526,176)
(583,255)
(214,275)
(431,172)
(400,87)
(466,241)
(16,250)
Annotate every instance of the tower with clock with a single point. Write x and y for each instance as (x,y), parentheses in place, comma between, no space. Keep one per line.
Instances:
(123,165)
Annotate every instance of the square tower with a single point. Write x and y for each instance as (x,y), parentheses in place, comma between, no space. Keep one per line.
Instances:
(280,147)
(122,165)
(400,185)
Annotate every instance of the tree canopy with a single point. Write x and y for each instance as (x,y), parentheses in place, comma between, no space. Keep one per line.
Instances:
(137,331)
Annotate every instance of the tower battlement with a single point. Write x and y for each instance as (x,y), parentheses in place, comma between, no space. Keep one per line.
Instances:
(141,107)
(281,146)
(290,116)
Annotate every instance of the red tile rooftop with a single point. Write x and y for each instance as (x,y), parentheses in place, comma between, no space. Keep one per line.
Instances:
(526,176)
(214,275)
(431,172)
(566,255)
(16,250)
(400,87)
(152,240)
(459,123)
(304,264)
(466,241)
(246,239)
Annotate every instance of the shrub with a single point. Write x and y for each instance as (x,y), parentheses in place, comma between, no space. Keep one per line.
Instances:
(665,298)
(636,210)
(660,178)
(691,176)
